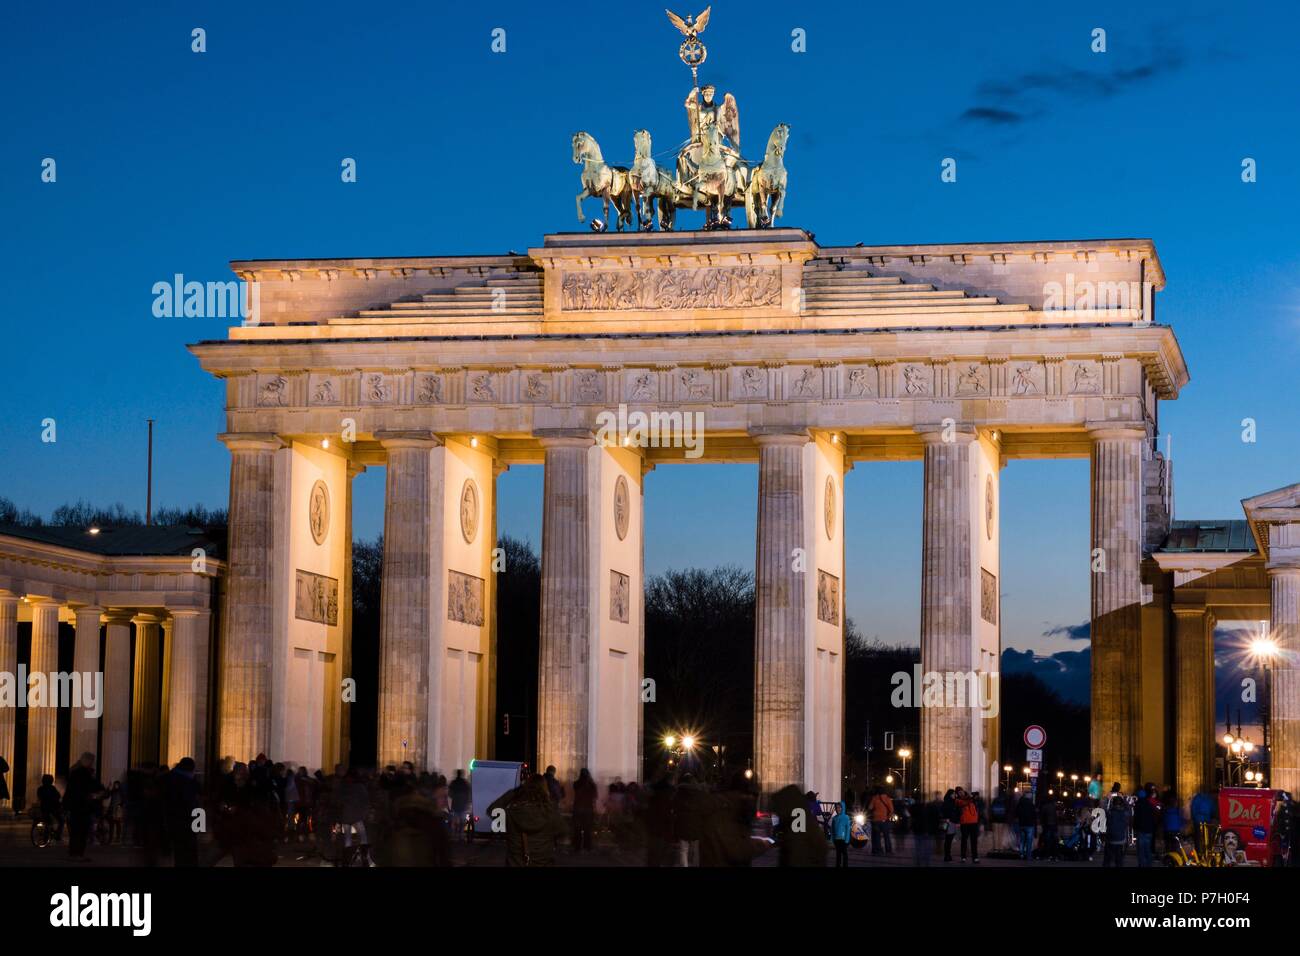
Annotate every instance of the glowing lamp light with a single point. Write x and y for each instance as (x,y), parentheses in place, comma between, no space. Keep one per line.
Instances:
(473,443)
(889,778)
(688,742)
(324,442)
(92,530)
(749,774)
(669,740)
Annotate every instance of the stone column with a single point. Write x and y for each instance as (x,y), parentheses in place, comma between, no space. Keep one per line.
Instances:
(8,665)
(1284,584)
(42,721)
(245,718)
(1193,684)
(146,696)
(167,641)
(405,599)
(85,661)
(780,648)
(183,726)
(946,611)
(1116,601)
(345,616)
(115,756)
(564,656)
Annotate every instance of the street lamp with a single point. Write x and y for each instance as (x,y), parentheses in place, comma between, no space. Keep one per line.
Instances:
(1007,770)
(905,753)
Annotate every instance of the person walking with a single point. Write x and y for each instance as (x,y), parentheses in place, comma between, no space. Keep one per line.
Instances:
(1027,824)
(1117,825)
(841,832)
(968,819)
(880,811)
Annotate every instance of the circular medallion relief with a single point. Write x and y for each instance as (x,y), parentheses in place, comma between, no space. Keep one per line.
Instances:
(469,510)
(622,507)
(318,511)
(830,508)
(988,506)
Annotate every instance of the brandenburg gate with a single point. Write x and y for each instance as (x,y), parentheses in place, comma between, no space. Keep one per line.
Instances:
(805,359)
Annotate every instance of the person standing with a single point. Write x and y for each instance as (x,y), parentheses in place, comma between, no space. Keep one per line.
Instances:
(1146,819)
(688,821)
(1202,817)
(584,811)
(1049,818)
(880,811)
(1027,823)
(458,791)
(1117,824)
(951,823)
(1171,821)
(78,800)
(969,820)
(925,824)
(841,832)
(181,795)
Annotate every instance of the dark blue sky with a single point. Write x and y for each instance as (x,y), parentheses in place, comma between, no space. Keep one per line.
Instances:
(171,161)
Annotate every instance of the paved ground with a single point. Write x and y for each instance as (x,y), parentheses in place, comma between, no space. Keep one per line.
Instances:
(16,850)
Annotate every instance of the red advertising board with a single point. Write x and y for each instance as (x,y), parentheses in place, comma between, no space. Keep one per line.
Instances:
(1246,819)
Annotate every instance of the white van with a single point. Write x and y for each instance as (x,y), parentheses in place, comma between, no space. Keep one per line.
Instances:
(488,780)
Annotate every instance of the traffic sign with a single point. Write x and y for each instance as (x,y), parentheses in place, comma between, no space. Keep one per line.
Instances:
(1034,755)
(1035,737)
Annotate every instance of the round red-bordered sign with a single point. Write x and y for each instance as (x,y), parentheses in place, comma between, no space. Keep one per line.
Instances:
(1035,737)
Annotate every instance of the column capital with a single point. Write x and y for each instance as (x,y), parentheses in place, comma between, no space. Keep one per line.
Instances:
(407,439)
(1287,567)
(1183,610)
(117,616)
(1112,431)
(564,437)
(185,611)
(42,600)
(145,617)
(777,435)
(946,434)
(252,441)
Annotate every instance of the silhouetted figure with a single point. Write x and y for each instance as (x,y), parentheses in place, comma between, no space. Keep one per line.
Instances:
(181,799)
(532,822)
(584,811)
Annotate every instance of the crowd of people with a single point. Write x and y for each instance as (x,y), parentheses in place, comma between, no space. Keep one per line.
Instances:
(256,812)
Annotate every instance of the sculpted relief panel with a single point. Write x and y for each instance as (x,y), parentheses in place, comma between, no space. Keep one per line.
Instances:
(464,598)
(610,290)
(316,598)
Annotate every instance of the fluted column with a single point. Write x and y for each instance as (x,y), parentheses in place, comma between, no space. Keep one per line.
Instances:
(946,610)
(1193,684)
(8,665)
(115,756)
(1284,583)
(42,721)
(85,661)
(780,646)
(183,727)
(1116,601)
(146,699)
(405,600)
(245,720)
(566,615)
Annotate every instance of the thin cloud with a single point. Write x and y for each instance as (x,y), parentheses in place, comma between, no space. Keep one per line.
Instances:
(1075,632)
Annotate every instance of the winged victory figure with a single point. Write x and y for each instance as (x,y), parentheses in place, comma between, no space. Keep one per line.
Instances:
(690,27)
